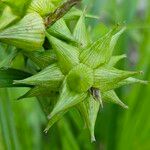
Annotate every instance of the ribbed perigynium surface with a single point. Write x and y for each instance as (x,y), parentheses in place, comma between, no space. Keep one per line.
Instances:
(80,78)
(70,70)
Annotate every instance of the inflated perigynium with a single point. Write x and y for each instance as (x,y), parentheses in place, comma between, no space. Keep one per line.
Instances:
(74,72)
(28,33)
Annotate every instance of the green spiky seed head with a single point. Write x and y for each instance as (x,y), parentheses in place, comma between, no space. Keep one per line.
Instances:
(66,69)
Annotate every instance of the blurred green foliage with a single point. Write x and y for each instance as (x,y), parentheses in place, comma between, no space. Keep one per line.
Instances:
(22,122)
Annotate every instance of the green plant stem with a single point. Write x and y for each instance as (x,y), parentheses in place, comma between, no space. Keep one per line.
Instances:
(7,121)
(60,12)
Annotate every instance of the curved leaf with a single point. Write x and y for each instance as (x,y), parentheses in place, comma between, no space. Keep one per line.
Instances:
(8,75)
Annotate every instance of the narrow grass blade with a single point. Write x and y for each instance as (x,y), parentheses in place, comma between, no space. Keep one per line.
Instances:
(8,75)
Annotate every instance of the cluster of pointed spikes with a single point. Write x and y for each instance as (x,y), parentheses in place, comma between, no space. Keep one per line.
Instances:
(75,71)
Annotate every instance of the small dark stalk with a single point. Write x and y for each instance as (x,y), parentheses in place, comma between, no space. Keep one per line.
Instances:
(60,12)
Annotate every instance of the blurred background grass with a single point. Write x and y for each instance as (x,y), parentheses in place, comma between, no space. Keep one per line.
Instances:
(22,122)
